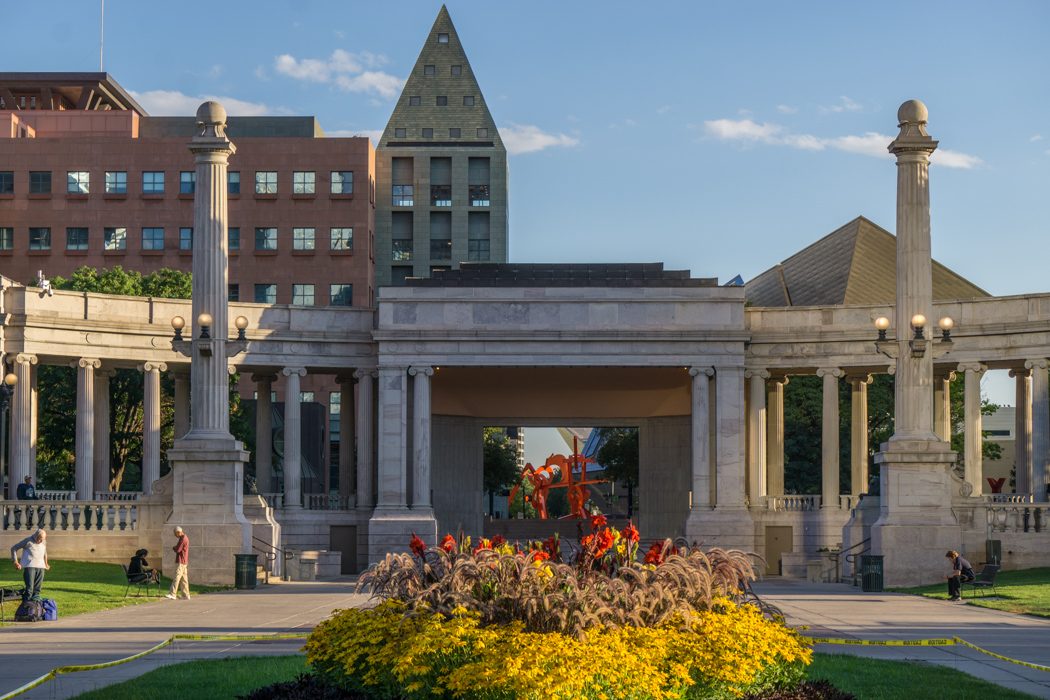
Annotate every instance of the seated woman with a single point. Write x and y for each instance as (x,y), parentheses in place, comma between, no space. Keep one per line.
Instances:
(139,569)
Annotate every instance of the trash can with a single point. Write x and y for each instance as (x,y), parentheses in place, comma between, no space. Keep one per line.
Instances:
(871,573)
(245,575)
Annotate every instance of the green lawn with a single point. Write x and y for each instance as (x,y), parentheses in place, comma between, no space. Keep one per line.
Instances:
(873,679)
(868,679)
(216,678)
(79,587)
(1025,591)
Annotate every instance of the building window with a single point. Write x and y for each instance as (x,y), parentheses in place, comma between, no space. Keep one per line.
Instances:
(115,238)
(233,292)
(7,182)
(400,133)
(233,238)
(78,182)
(303,294)
(403,175)
(304,183)
(440,235)
(483,133)
(429,70)
(302,239)
(457,70)
(306,397)
(342,239)
(414,101)
(266,294)
(153,239)
(40,182)
(442,100)
(185,238)
(428,133)
(468,100)
(153,182)
(401,234)
(341,294)
(453,133)
(39,238)
(335,407)
(7,238)
(401,249)
(442,38)
(342,182)
(478,236)
(116,182)
(233,182)
(266,182)
(187,182)
(402,195)
(441,182)
(266,239)
(76,238)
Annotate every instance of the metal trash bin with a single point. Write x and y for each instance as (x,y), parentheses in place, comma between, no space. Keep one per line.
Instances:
(871,573)
(246,572)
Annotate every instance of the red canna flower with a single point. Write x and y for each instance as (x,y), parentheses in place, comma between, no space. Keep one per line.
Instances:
(418,546)
(498,540)
(605,540)
(540,555)
(449,544)
(630,533)
(598,521)
(586,541)
(655,555)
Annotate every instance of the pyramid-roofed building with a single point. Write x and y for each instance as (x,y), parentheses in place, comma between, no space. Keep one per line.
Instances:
(855,264)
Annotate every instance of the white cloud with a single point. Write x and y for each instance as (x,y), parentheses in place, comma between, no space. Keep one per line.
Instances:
(261,74)
(787,109)
(1036,137)
(663,109)
(844,104)
(526,138)
(871,144)
(349,71)
(175,103)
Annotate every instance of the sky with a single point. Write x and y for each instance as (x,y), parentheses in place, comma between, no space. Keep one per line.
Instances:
(718,137)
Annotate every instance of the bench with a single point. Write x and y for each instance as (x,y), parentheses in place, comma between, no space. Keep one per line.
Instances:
(985,580)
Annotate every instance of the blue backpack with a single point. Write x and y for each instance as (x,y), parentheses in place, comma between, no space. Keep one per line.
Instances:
(50,609)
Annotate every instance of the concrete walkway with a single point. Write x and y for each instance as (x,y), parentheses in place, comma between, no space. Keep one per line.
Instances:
(28,651)
(836,610)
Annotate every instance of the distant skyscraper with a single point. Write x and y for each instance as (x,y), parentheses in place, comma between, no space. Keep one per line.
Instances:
(441,169)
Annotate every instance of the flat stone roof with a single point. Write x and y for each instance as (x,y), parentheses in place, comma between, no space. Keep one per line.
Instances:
(479,274)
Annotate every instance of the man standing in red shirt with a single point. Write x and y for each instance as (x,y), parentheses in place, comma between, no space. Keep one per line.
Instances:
(182,561)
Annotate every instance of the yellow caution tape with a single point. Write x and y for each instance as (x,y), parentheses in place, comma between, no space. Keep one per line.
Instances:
(176,637)
(919,643)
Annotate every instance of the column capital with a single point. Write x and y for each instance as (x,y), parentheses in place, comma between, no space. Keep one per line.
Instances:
(976,367)
(271,377)
(425,370)
(25,359)
(913,144)
(863,377)
(1020,372)
(697,371)
(298,371)
(891,370)
(153,367)
(1038,363)
(85,362)
(756,374)
(830,371)
(359,373)
(781,379)
(944,373)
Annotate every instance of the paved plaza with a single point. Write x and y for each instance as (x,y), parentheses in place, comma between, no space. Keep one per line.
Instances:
(837,610)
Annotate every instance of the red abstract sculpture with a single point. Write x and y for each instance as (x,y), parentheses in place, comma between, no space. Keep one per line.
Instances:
(557,473)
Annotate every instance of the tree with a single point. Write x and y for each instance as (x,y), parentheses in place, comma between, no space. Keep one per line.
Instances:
(500,470)
(619,455)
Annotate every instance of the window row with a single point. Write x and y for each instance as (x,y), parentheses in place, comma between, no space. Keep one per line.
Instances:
(428,133)
(153,238)
(439,101)
(339,294)
(402,236)
(403,192)
(153,182)
(431,70)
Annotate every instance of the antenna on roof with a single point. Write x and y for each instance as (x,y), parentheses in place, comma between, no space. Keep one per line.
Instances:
(101,34)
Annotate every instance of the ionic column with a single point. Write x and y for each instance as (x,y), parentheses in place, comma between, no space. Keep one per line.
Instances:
(264,431)
(1040,426)
(21,422)
(293,431)
(700,432)
(730,446)
(365,430)
(151,423)
(756,436)
(775,436)
(859,433)
(973,437)
(829,438)
(346,436)
(393,430)
(102,430)
(182,404)
(1023,431)
(34,422)
(421,436)
(85,436)
(942,403)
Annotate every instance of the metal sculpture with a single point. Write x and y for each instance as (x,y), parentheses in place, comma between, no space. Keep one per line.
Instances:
(558,473)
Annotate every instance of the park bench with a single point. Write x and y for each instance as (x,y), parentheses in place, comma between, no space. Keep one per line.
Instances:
(985,580)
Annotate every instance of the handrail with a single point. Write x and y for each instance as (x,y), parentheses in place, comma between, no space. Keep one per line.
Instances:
(850,558)
(271,556)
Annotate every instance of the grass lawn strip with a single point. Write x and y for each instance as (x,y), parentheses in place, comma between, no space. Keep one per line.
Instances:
(1026,591)
(81,587)
(868,679)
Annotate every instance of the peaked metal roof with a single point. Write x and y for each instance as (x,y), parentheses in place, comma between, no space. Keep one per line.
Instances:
(855,264)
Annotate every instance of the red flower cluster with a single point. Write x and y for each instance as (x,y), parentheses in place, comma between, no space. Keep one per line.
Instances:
(552,545)
(449,544)
(498,540)
(655,555)
(418,546)
(598,521)
(630,533)
(540,555)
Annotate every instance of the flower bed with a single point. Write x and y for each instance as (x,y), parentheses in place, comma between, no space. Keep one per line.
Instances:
(499,621)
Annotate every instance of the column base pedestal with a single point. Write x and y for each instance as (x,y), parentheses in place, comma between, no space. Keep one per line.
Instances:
(721,527)
(207,502)
(916,525)
(391,529)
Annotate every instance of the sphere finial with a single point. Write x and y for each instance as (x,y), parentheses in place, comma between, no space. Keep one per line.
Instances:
(211,113)
(912,112)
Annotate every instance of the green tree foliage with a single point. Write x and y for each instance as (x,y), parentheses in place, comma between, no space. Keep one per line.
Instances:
(619,455)
(500,470)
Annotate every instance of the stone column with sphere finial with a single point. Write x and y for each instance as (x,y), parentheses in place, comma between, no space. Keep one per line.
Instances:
(207,462)
(916,525)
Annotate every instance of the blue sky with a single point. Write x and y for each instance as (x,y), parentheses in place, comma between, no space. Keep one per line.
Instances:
(720,137)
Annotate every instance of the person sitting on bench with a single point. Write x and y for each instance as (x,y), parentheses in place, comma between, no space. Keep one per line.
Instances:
(139,569)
